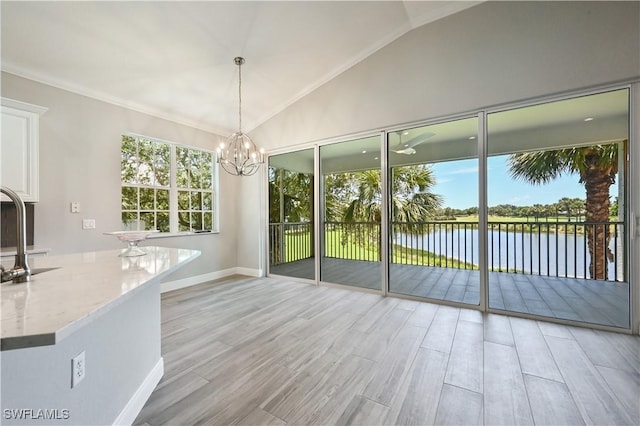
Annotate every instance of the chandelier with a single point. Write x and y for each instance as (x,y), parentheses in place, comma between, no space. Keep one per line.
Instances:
(238,155)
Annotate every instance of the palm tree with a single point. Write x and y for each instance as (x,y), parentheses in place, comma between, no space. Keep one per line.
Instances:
(412,200)
(597,166)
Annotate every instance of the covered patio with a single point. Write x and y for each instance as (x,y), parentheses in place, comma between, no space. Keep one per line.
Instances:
(598,302)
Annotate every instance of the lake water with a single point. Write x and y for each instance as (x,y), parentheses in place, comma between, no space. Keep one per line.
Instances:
(564,255)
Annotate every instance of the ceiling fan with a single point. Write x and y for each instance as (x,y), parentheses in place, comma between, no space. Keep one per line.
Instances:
(407,147)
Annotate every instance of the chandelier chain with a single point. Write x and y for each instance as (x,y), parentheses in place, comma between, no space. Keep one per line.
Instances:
(240,95)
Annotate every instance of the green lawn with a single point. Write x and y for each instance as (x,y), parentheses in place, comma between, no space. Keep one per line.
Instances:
(298,246)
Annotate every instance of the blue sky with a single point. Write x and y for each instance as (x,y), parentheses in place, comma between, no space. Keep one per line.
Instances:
(457,182)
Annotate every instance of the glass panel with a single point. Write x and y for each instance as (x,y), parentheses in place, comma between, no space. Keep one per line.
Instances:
(130,221)
(196,221)
(195,171)
(182,166)
(183,200)
(147,221)
(207,218)
(206,170)
(162,221)
(145,162)
(162,199)
(147,199)
(129,198)
(162,164)
(557,203)
(196,200)
(291,243)
(206,201)
(433,234)
(184,221)
(352,200)
(129,160)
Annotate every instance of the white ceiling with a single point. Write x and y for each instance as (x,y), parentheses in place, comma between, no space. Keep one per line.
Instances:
(175,59)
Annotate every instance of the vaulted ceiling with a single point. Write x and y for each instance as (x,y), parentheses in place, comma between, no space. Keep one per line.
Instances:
(175,59)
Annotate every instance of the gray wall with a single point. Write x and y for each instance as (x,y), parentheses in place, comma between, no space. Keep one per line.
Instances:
(80,161)
(493,53)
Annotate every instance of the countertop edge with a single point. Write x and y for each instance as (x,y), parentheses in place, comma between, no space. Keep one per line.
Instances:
(48,339)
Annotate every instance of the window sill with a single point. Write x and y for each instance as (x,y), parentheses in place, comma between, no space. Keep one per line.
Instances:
(179,234)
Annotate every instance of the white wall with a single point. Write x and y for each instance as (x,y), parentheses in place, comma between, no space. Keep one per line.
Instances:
(80,161)
(493,53)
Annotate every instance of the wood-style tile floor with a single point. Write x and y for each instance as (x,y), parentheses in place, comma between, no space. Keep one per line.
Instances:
(591,301)
(262,351)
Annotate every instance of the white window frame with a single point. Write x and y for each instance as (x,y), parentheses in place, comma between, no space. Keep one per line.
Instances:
(174,189)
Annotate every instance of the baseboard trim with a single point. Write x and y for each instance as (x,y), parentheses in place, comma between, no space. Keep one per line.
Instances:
(137,401)
(199,279)
(249,272)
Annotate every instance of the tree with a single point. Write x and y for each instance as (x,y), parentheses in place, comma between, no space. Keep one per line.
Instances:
(412,200)
(597,166)
(290,200)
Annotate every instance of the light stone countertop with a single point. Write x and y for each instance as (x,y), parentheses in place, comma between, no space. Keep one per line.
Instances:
(58,302)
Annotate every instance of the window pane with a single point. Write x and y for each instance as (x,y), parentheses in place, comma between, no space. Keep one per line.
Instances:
(206,201)
(145,163)
(208,220)
(147,199)
(182,165)
(130,220)
(351,224)
(555,175)
(183,200)
(433,229)
(147,221)
(162,199)
(162,164)
(129,198)
(196,221)
(184,223)
(194,164)
(196,200)
(163,222)
(128,160)
(206,170)
(291,222)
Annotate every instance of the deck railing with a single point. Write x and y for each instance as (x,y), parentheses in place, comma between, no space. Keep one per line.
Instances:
(553,248)
(290,241)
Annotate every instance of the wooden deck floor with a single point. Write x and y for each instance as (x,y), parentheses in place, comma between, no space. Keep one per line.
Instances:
(595,302)
(270,351)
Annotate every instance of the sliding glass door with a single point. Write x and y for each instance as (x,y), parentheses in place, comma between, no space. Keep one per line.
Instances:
(557,238)
(433,229)
(291,235)
(352,213)
(528,215)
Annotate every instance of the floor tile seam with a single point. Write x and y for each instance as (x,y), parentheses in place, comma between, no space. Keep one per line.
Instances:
(546,344)
(602,381)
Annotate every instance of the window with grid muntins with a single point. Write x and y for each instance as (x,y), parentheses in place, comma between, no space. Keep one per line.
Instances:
(167,187)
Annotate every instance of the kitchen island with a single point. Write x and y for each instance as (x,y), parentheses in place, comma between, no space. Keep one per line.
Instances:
(97,304)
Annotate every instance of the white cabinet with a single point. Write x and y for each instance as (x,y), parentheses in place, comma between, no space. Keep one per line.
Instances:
(19,149)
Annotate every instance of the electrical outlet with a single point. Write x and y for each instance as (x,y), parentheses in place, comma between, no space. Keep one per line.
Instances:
(78,369)
(88,224)
(75,207)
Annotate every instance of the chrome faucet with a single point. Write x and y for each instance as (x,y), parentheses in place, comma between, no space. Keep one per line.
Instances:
(20,272)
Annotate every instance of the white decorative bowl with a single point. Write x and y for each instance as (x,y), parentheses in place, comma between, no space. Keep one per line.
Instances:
(132,238)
